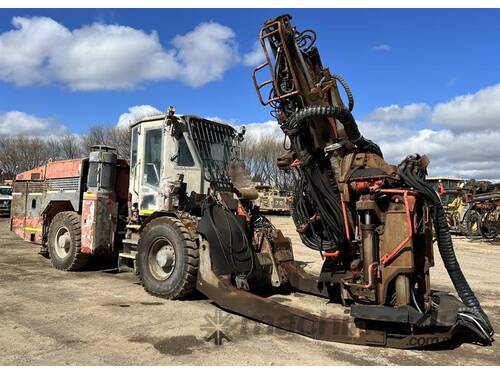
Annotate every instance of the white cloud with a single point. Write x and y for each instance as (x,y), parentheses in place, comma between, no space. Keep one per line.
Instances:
(206,53)
(136,113)
(464,144)
(466,155)
(25,51)
(40,50)
(472,112)
(21,123)
(381,47)
(397,114)
(255,56)
(98,57)
(259,130)
(254,131)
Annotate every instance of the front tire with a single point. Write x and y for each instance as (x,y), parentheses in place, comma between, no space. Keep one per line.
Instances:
(167,259)
(65,242)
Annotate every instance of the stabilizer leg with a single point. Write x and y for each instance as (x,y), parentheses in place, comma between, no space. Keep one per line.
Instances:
(338,328)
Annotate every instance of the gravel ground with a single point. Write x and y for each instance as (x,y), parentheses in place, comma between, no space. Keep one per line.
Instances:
(104,318)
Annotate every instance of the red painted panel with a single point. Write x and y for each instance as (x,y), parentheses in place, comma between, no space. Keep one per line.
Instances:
(64,168)
(53,169)
(37,173)
(17,223)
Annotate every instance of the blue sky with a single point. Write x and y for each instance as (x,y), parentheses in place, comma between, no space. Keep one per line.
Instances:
(389,57)
(435,55)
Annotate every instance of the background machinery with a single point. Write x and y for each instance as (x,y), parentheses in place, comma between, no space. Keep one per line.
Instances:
(5,199)
(475,209)
(272,200)
(182,213)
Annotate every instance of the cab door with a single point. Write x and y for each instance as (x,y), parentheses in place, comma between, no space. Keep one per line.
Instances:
(150,169)
(185,162)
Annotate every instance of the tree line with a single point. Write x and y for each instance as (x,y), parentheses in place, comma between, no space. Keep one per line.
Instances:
(260,156)
(21,153)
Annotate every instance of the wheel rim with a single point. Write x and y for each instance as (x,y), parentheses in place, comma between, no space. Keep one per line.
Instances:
(161,259)
(63,242)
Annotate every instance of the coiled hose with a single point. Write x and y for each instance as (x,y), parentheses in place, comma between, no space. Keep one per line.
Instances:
(412,174)
(347,89)
(343,115)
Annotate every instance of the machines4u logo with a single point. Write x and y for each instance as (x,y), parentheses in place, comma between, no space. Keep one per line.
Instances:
(214,326)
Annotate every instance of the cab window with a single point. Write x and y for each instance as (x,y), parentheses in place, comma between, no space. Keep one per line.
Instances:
(135,141)
(152,156)
(184,156)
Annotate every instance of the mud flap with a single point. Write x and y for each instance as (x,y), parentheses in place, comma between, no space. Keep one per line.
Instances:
(226,234)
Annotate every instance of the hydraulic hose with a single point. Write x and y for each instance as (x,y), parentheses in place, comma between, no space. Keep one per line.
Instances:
(347,89)
(413,175)
(445,246)
(314,194)
(341,114)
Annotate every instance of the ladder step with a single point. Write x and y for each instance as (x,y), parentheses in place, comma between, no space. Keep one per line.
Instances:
(130,241)
(130,255)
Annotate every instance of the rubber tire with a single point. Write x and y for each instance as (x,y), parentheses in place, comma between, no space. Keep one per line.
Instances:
(74,260)
(472,217)
(489,229)
(182,282)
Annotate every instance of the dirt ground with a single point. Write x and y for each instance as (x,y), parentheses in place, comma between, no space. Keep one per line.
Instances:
(104,318)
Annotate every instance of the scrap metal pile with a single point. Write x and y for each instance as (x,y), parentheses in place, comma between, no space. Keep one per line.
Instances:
(475,210)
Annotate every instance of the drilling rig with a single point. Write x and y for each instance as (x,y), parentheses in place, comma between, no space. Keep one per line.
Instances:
(371,221)
(181,213)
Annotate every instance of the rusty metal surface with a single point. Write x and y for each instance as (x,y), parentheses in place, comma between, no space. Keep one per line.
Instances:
(28,228)
(338,328)
(99,220)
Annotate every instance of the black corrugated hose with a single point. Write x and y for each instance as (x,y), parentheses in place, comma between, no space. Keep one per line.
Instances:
(347,89)
(341,114)
(413,175)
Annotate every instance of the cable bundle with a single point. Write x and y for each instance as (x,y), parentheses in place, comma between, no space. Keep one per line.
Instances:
(412,173)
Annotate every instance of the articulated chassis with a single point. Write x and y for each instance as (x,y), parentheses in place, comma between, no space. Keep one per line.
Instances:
(381,326)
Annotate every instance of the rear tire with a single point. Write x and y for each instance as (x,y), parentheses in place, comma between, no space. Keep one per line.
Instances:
(473,223)
(65,242)
(490,225)
(167,259)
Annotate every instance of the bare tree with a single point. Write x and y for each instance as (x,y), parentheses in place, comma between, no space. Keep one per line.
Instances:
(115,136)
(70,146)
(21,153)
(260,156)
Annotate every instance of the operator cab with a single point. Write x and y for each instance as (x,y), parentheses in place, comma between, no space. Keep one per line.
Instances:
(177,150)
